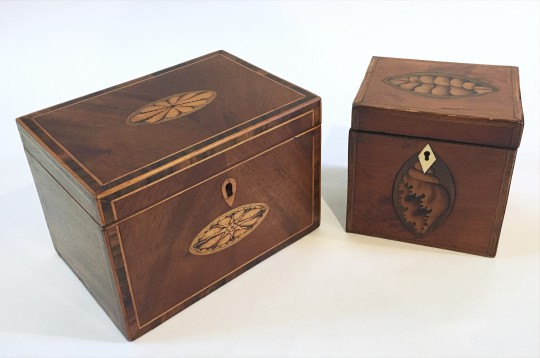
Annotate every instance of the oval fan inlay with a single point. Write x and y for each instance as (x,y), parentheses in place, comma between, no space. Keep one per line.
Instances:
(228,229)
(172,107)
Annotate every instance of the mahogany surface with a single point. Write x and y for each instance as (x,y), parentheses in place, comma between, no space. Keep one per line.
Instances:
(471,117)
(133,181)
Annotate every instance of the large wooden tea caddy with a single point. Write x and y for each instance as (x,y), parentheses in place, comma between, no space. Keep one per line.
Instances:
(160,190)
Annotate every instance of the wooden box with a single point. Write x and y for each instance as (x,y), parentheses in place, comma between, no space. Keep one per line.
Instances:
(432,147)
(160,190)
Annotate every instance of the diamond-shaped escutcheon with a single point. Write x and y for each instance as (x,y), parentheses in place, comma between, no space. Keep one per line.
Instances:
(426,158)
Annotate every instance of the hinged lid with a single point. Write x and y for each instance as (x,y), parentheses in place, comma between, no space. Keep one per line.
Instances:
(479,104)
(135,131)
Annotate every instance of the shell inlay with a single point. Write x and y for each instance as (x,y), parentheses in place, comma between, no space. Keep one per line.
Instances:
(440,85)
(423,199)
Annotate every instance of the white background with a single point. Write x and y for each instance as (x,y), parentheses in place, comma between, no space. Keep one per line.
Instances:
(331,293)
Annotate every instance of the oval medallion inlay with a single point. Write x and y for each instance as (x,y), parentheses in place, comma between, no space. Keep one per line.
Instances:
(172,107)
(228,229)
(441,85)
(423,192)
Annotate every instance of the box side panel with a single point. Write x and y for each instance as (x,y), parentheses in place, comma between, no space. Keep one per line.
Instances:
(350,181)
(79,241)
(171,254)
(503,199)
(459,205)
(64,178)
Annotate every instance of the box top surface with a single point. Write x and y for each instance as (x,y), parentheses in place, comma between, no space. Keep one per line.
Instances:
(128,131)
(461,102)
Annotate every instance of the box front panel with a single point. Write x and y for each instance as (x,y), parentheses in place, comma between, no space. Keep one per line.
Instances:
(131,200)
(453,198)
(188,244)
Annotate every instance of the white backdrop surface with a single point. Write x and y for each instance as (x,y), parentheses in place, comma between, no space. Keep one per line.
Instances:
(331,293)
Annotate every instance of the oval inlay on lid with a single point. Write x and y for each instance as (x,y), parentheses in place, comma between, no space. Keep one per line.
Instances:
(441,85)
(171,107)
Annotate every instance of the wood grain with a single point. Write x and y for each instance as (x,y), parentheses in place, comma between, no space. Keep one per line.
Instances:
(481,176)
(423,200)
(229,229)
(171,107)
(128,202)
(79,241)
(135,209)
(281,178)
(105,153)
(440,85)
(493,119)
(470,120)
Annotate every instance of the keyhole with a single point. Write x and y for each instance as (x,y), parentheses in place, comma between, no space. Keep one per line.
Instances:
(426,155)
(229,189)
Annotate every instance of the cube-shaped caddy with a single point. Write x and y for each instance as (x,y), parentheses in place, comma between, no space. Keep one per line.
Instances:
(432,147)
(160,190)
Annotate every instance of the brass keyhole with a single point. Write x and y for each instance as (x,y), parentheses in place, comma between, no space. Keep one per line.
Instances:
(426,155)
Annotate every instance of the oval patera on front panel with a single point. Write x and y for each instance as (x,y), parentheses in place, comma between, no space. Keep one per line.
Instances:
(423,199)
(229,229)
(171,107)
(439,85)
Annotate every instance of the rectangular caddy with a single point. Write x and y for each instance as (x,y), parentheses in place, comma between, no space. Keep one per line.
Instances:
(160,190)
(432,147)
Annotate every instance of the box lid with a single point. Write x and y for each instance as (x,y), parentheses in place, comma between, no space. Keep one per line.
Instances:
(135,131)
(479,104)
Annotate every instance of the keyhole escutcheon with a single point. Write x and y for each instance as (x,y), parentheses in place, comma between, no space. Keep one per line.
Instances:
(228,189)
(426,157)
